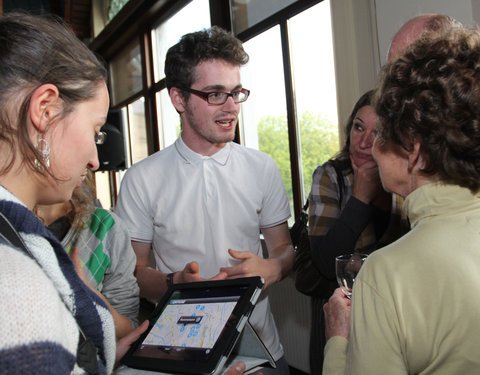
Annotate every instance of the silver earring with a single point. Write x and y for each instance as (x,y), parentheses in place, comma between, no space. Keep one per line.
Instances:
(43,148)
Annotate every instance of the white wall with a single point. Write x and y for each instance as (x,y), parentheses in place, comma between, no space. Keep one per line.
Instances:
(392,14)
(355,51)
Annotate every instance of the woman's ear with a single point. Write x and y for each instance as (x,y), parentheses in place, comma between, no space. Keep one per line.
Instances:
(177,99)
(415,158)
(44,105)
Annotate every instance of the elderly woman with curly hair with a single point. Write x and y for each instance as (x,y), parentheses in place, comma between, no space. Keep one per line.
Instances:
(415,306)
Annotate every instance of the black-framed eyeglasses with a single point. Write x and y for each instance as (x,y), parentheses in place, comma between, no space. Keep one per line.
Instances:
(219,98)
(100,138)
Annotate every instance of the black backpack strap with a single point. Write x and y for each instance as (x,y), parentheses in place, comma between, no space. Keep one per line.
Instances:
(9,234)
(305,207)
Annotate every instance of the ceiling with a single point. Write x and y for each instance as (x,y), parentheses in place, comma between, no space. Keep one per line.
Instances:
(77,13)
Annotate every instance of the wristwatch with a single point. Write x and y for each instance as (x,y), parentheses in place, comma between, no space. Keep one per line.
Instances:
(170,279)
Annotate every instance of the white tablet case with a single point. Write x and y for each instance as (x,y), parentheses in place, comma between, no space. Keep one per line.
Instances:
(250,350)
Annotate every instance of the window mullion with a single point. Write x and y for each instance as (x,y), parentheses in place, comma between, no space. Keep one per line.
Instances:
(291,120)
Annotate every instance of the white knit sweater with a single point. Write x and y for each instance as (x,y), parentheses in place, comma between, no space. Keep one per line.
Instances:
(39,308)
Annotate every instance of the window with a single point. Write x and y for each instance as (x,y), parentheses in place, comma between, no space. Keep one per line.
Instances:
(168,120)
(247,13)
(102,185)
(114,7)
(126,73)
(313,74)
(264,116)
(193,17)
(137,127)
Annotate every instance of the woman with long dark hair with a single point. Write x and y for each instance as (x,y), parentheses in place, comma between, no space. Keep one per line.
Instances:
(349,211)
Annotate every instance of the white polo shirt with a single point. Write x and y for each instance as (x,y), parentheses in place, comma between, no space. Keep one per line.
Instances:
(194,208)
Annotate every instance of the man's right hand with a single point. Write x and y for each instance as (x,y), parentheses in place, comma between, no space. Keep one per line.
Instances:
(152,282)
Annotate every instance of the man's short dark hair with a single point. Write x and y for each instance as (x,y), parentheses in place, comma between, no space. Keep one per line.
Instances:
(193,48)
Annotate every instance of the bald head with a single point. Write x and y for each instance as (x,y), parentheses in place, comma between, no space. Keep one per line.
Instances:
(415,27)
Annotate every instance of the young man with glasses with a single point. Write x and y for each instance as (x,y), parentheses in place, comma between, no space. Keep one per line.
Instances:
(201,204)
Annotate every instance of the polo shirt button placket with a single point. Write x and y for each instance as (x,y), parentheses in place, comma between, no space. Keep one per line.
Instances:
(208,180)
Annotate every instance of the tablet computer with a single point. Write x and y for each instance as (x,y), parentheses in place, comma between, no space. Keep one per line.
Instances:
(195,326)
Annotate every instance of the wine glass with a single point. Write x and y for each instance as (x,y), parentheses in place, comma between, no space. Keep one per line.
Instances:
(346,268)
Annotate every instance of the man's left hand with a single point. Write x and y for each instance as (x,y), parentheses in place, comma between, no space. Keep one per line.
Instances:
(253,265)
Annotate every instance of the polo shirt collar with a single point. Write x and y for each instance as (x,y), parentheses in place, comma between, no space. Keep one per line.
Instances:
(191,157)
